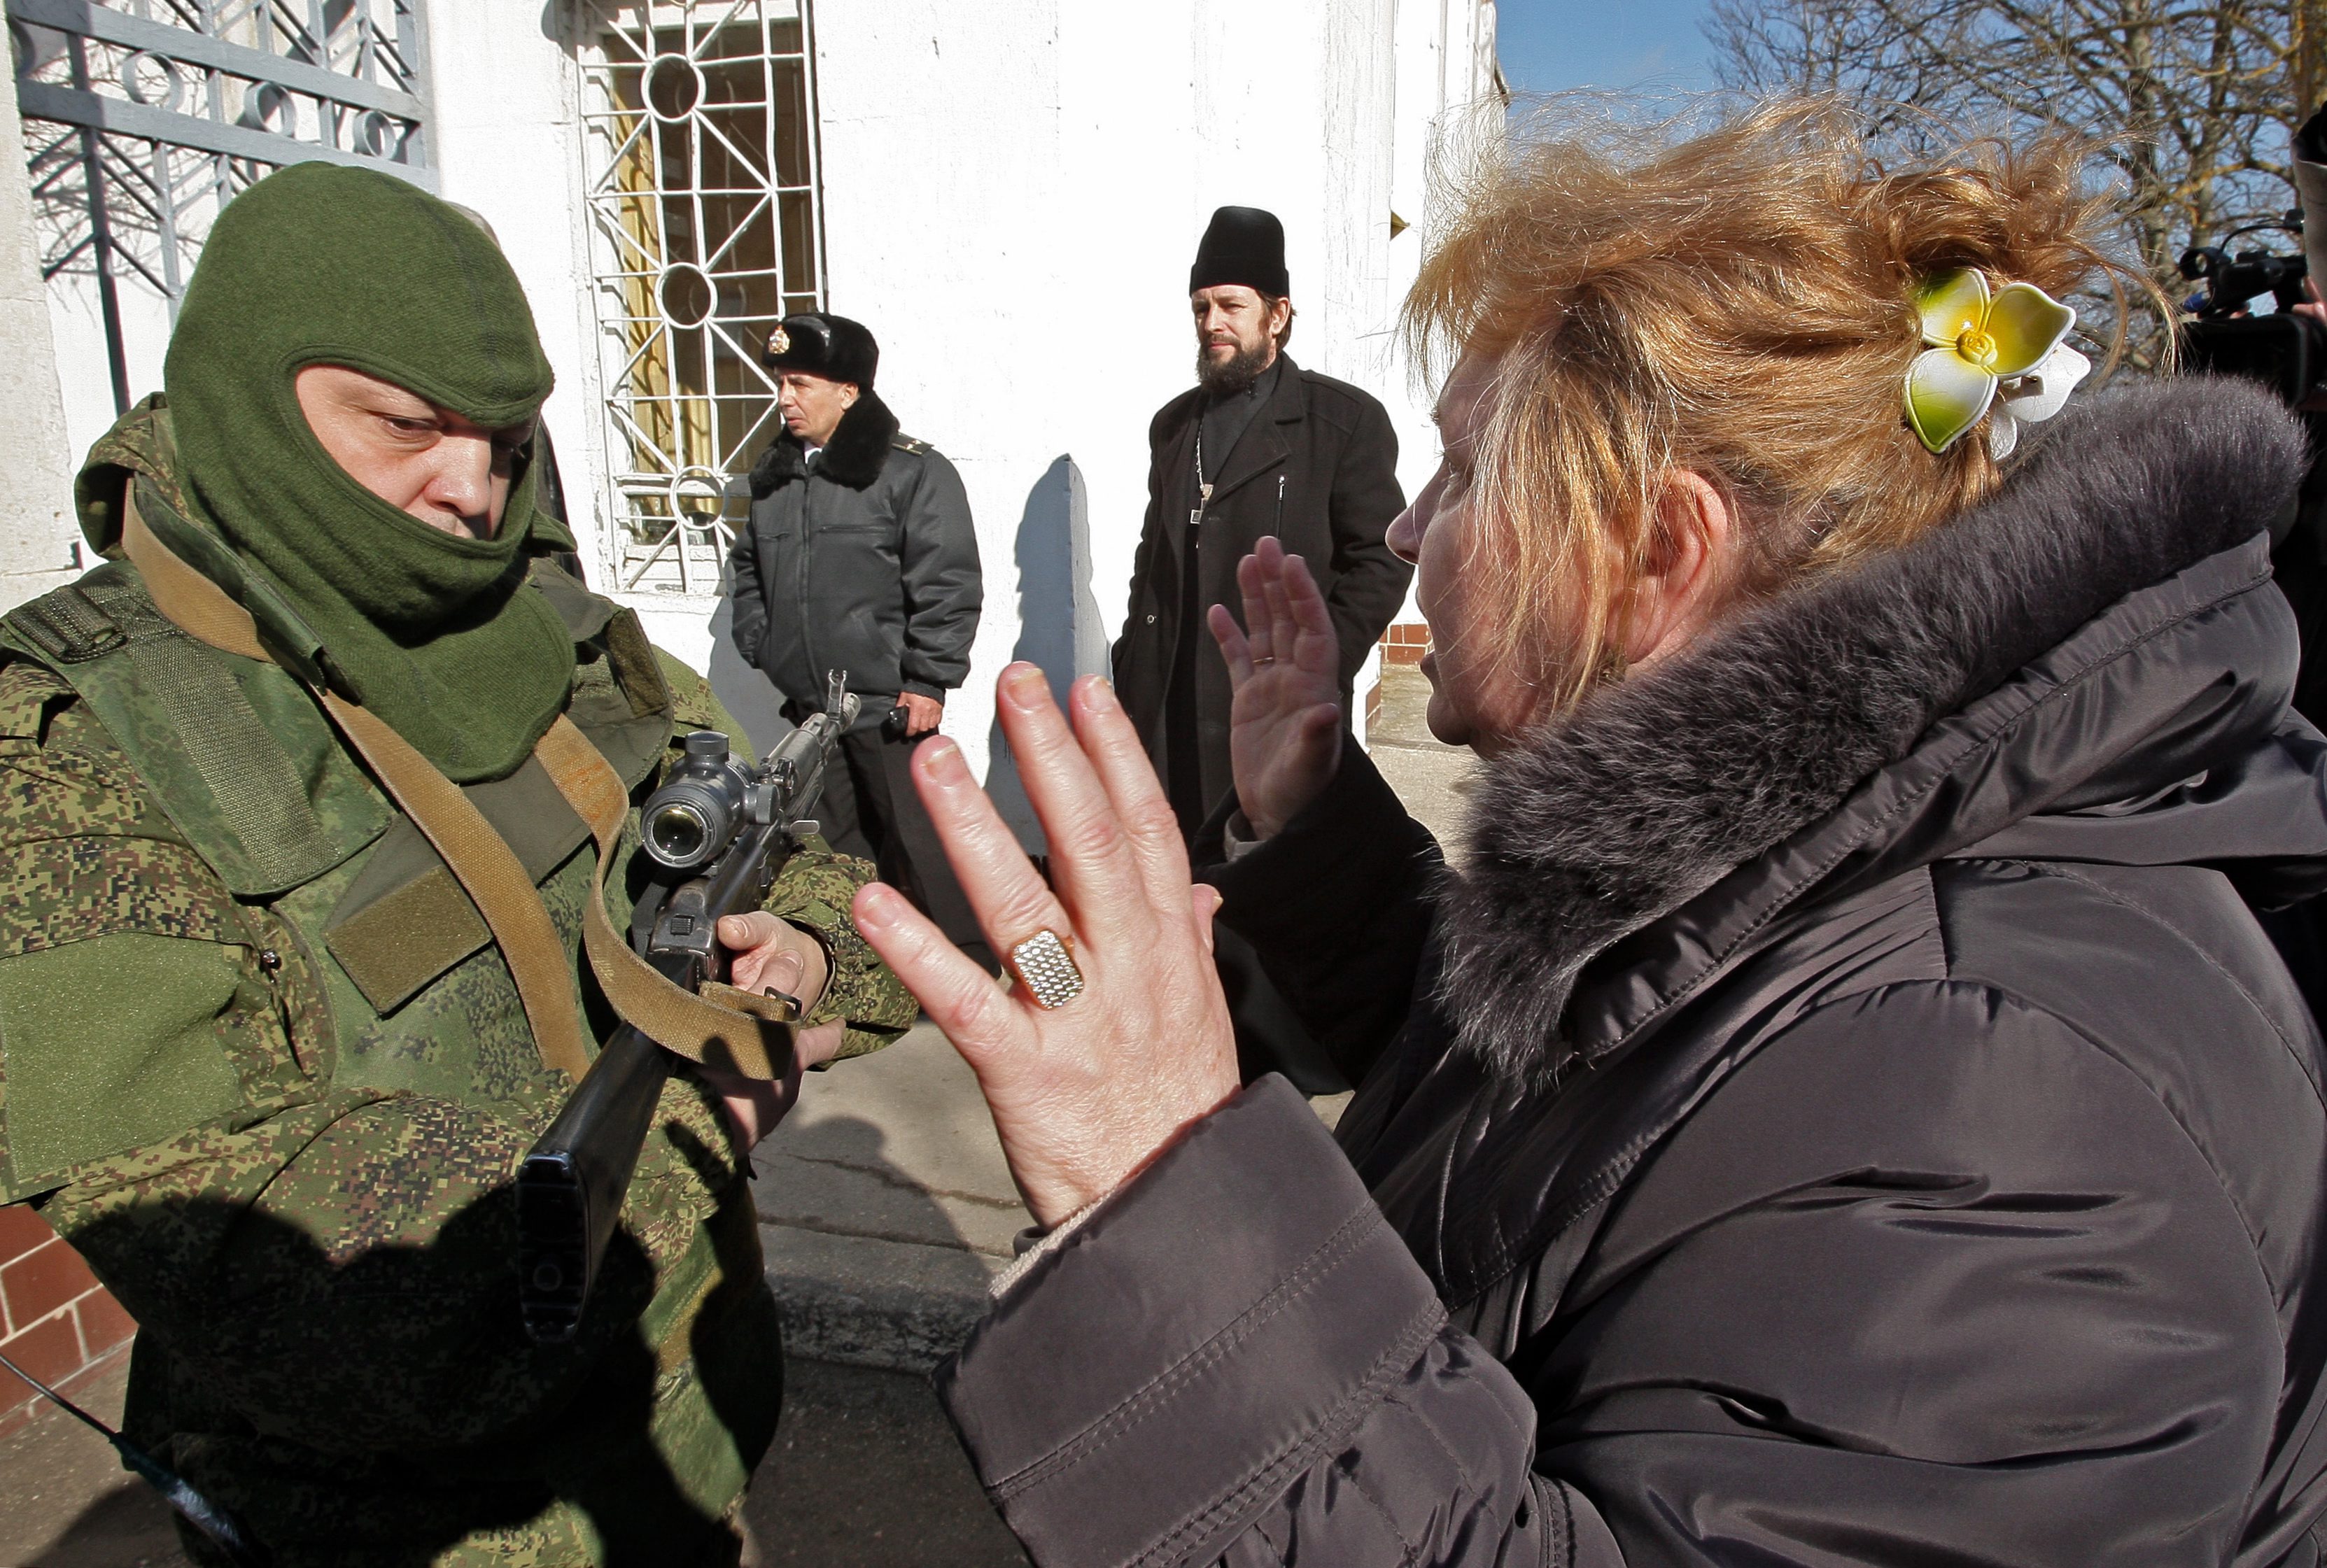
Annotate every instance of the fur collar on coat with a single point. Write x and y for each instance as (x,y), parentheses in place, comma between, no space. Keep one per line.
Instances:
(1658,785)
(859,447)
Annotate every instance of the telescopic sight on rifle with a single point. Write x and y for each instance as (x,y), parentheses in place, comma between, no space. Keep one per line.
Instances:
(720,832)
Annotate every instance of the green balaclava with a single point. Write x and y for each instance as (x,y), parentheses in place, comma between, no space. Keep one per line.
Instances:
(319,264)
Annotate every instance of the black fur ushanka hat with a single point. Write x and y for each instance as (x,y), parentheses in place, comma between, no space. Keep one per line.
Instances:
(824,345)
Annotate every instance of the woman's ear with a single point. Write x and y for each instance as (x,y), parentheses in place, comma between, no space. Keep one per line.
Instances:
(1680,588)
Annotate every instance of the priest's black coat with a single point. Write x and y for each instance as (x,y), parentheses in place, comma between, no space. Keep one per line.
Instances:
(1317,468)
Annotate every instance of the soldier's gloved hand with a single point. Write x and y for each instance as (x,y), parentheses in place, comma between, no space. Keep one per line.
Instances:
(771,954)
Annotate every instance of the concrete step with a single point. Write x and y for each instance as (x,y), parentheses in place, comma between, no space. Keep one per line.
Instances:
(886,1208)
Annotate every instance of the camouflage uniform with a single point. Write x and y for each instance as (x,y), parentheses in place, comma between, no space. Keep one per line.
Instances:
(260,1062)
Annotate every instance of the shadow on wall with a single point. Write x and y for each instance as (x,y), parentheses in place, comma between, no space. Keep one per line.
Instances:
(747,694)
(1059,626)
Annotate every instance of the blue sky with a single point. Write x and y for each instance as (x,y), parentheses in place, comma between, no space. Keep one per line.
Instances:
(1554,45)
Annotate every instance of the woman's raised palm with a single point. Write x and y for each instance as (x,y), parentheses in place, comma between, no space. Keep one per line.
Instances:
(1285,726)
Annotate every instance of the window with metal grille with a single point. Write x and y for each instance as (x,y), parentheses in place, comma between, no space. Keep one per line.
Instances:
(143,117)
(699,123)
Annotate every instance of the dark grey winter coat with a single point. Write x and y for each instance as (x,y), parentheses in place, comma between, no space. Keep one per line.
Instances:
(1846,1111)
(869,565)
(1317,468)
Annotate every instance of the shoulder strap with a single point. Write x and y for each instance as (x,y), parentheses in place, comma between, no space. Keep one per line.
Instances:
(487,869)
(749,1034)
(721,1025)
(191,730)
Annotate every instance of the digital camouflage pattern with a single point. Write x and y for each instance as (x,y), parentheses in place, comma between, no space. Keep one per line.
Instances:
(305,1200)
(818,882)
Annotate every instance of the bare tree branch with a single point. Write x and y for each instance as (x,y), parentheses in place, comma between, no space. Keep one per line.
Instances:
(2189,103)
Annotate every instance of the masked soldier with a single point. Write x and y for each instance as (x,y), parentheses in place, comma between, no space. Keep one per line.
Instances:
(266,1065)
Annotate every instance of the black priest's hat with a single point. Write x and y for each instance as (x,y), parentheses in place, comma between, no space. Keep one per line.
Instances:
(1243,245)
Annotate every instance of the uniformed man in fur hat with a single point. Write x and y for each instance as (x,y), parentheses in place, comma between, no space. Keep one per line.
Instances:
(268,1065)
(860,555)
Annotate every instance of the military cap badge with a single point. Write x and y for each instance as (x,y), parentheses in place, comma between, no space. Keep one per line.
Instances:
(780,342)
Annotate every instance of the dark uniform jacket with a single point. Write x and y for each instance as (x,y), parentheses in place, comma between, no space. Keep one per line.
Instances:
(1865,1121)
(867,564)
(1317,468)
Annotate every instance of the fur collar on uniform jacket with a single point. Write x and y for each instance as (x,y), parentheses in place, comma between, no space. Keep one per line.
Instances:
(853,456)
(1658,785)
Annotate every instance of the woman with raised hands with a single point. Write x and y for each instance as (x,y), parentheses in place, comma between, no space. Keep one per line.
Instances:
(1843,1108)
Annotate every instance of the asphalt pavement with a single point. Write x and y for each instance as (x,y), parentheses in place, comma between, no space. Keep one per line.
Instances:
(865,1473)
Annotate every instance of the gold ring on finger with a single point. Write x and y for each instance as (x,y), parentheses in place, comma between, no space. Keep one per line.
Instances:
(1044,964)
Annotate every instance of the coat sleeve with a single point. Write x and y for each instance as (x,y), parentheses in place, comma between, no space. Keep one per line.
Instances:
(1853,1321)
(1339,908)
(1165,1388)
(943,588)
(1142,559)
(1369,581)
(747,600)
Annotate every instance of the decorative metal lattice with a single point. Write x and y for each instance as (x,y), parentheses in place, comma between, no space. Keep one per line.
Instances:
(699,123)
(143,117)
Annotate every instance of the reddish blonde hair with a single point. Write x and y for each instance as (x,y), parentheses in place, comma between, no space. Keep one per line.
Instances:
(1737,303)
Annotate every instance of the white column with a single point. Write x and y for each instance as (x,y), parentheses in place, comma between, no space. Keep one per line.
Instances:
(39,539)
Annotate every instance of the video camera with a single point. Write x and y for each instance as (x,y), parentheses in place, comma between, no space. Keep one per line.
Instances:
(2285,351)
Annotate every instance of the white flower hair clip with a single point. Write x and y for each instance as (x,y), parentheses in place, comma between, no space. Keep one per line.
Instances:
(2007,352)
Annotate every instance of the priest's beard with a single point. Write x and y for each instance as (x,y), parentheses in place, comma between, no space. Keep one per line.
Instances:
(1225,378)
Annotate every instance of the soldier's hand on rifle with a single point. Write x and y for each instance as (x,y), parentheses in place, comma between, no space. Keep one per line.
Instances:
(771,955)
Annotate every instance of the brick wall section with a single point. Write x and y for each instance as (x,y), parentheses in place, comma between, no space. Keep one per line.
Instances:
(56,1321)
(1406,642)
(1402,643)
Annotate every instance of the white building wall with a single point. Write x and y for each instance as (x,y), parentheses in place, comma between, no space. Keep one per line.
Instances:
(1448,84)
(82,368)
(1012,197)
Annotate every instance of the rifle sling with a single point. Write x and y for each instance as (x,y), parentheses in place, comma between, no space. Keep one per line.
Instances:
(720,1025)
(725,1027)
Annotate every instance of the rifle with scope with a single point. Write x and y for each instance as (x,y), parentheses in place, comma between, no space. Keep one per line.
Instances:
(720,833)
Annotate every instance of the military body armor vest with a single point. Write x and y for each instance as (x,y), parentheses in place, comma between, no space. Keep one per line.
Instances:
(245,767)
(366,959)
